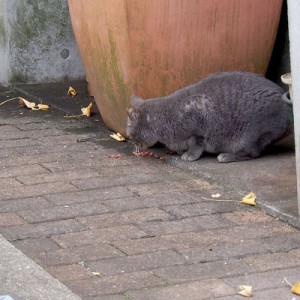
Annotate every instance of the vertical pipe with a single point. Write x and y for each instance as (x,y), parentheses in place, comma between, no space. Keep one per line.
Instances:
(294,34)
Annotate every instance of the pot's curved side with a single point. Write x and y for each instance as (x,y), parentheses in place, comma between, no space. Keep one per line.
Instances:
(101,32)
(153,47)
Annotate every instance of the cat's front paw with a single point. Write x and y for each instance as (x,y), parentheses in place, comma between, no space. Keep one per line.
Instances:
(188,156)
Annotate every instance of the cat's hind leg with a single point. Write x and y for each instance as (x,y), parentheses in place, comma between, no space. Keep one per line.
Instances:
(240,156)
(194,150)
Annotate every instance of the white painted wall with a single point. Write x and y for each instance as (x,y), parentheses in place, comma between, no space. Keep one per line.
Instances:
(294,33)
(37,43)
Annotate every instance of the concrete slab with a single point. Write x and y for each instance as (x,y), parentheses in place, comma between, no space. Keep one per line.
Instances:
(21,278)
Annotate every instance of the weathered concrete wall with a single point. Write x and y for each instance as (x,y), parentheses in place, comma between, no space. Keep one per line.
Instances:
(37,42)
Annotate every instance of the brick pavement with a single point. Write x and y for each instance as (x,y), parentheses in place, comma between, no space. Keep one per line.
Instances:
(131,228)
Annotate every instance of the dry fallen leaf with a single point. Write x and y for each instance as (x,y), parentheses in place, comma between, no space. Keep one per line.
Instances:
(86,111)
(246,291)
(28,104)
(296,288)
(249,199)
(96,273)
(118,137)
(71,92)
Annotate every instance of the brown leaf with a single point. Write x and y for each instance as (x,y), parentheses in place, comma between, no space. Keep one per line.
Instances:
(28,104)
(71,92)
(87,111)
(118,137)
(249,199)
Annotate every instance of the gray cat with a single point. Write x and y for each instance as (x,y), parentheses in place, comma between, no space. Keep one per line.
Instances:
(233,114)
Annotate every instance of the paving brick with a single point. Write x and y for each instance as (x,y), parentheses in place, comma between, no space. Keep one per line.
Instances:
(19,143)
(173,186)
(31,246)
(103,235)
(9,183)
(266,280)
(36,190)
(245,247)
(74,255)
(209,270)
(128,217)
(90,163)
(114,284)
(69,272)
(63,212)
(206,237)
(29,159)
(170,227)
(6,152)
(206,289)
(89,196)
(274,261)
(185,225)
(40,230)
(23,204)
(9,129)
(93,183)
(28,169)
(10,219)
(248,217)
(134,263)
(204,208)
(159,200)
(53,177)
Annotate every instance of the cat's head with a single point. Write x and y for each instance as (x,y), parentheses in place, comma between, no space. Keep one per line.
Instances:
(138,129)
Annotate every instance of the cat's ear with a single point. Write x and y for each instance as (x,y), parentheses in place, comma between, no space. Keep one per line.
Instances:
(133,113)
(136,101)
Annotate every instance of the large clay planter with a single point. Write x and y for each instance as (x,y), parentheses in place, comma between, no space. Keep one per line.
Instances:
(152,47)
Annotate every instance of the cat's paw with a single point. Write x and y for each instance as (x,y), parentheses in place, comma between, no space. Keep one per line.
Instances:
(188,156)
(225,158)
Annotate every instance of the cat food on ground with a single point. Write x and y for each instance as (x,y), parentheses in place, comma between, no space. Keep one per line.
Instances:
(147,153)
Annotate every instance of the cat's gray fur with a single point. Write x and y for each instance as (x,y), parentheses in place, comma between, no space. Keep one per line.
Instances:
(233,114)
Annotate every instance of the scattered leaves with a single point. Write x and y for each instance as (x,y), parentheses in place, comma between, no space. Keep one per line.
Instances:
(71,92)
(147,153)
(246,291)
(249,199)
(28,104)
(87,111)
(118,137)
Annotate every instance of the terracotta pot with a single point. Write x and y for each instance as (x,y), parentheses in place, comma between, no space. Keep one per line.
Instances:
(151,48)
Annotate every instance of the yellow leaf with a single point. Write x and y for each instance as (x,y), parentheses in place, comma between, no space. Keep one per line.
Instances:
(26,103)
(296,288)
(71,92)
(43,106)
(246,291)
(118,137)
(249,199)
(86,111)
